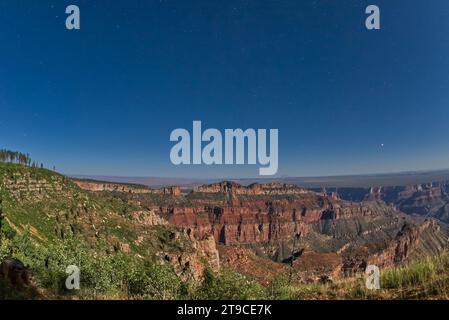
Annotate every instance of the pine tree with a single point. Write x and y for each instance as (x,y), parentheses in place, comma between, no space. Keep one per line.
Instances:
(14,157)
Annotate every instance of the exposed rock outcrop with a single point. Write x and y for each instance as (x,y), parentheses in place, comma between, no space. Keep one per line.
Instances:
(107,186)
(191,264)
(278,220)
(97,186)
(149,218)
(430,200)
(253,189)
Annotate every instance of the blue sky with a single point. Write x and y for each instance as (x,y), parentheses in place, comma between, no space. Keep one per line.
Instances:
(103,100)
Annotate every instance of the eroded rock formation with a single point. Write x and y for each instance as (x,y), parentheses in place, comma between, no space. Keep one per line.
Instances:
(430,200)
(279,225)
(97,186)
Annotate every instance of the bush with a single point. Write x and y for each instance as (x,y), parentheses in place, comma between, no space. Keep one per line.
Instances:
(279,288)
(101,275)
(154,281)
(228,285)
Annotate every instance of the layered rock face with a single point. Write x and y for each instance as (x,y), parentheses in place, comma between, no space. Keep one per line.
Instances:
(238,215)
(431,200)
(427,200)
(253,189)
(287,223)
(107,186)
(410,241)
(97,186)
(189,264)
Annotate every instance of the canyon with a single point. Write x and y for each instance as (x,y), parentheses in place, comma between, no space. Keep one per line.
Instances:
(423,199)
(258,230)
(265,228)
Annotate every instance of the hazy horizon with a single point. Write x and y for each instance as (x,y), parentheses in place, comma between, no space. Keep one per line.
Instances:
(357,181)
(262,177)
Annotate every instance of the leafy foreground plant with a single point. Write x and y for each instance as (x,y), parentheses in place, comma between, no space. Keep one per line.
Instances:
(120,276)
(116,276)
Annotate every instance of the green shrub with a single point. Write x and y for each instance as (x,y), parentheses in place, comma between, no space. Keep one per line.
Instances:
(101,274)
(228,285)
(154,281)
(279,288)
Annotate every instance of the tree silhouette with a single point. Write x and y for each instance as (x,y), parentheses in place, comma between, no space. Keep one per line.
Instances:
(15,157)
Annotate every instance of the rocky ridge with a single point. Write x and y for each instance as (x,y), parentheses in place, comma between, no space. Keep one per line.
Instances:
(429,200)
(97,186)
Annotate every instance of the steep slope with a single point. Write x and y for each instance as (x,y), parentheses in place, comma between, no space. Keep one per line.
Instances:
(46,209)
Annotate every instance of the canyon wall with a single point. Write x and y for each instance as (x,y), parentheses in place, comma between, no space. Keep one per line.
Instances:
(430,200)
(98,186)
(306,226)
